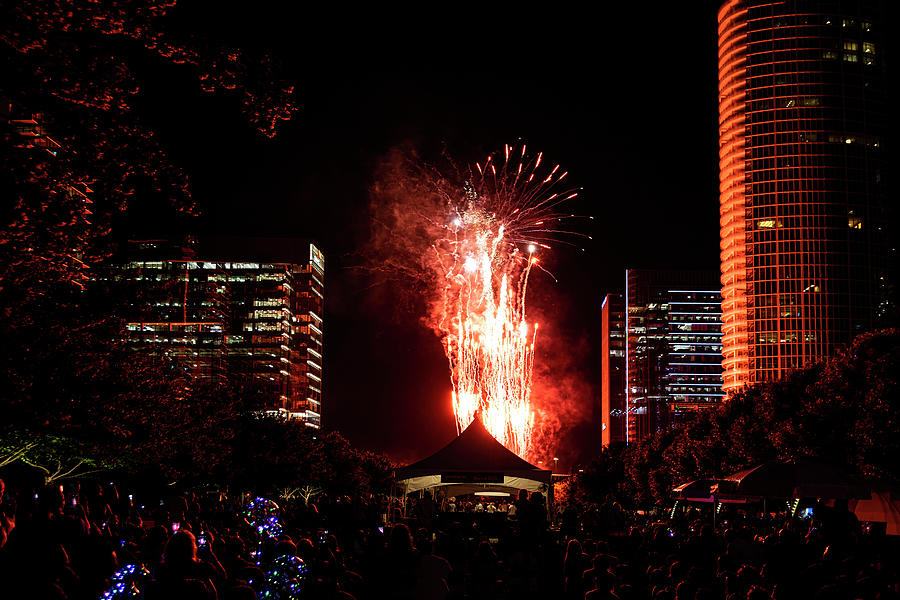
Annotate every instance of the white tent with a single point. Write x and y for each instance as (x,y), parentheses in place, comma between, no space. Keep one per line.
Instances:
(474,462)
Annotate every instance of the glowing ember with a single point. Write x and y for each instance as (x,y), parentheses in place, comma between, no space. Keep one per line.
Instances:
(495,226)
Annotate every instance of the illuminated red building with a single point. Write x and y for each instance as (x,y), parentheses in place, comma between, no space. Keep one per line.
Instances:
(804,227)
(612,370)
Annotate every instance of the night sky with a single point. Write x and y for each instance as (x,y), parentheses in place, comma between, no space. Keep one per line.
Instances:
(625,100)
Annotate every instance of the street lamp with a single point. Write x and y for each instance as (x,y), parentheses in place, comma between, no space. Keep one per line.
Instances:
(555,464)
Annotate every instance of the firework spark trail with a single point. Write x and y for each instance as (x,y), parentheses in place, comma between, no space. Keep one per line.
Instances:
(503,216)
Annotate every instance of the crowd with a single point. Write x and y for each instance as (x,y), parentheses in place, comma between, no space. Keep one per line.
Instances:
(479,505)
(66,543)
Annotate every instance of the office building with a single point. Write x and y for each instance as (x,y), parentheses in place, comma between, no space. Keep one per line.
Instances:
(805,248)
(672,348)
(260,319)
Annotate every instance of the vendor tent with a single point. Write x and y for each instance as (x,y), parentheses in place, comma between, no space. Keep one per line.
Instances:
(473,462)
(882,507)
(704,490)
(699,490)
(795,478)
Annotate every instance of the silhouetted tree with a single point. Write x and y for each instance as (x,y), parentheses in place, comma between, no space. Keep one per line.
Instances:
(64,175)
(842,411)
(271,454)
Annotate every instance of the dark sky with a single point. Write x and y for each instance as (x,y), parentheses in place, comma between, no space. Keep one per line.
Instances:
(625,99)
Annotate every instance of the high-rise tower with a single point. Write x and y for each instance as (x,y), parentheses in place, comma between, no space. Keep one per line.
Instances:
(612,369)
(673,349)
(804,226)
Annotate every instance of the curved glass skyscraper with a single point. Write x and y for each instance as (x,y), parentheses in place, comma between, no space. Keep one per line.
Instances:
(804,224)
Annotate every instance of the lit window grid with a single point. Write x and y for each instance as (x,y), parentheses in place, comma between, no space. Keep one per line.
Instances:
(800,175)
(208,288)
(658,318)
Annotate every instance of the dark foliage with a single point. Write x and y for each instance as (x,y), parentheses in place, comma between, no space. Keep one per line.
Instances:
(270,454)
(73,155)
(843,411)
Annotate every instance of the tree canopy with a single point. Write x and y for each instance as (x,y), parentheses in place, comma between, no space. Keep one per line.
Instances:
(843,411)
(75,152)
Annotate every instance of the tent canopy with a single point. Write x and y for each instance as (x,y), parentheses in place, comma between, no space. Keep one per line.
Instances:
(882,507)
(704,490)
(473,460)
(795,478)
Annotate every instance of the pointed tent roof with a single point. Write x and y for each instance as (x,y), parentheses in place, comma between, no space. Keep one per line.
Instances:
(474,451)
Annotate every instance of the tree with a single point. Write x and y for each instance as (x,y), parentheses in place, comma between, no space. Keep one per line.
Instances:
(75,153)
(271,454)
(842,411)
(305,492)
(57,458)
(75,67)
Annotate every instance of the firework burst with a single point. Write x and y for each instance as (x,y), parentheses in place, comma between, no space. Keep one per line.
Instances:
(497,221)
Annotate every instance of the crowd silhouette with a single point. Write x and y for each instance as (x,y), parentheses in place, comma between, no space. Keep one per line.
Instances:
(66,543)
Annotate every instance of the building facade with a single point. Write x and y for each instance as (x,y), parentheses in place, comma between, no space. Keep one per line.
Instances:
(257,319)
(805,248)
(612,369)
(672,348)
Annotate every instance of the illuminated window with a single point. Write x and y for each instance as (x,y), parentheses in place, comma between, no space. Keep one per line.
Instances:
(848,22)
(768,223)
(850,45)
(848,57)
(868,60)
(829,54)
(855,222)
(868,47)
(866,26)
(810,102)
(267,314)
(268,302)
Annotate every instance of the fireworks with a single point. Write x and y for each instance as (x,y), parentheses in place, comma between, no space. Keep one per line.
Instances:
(497,221)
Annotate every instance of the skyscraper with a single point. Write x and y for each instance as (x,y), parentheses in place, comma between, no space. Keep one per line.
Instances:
(673,348)
(248,308)
(805,249)
(612,369)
